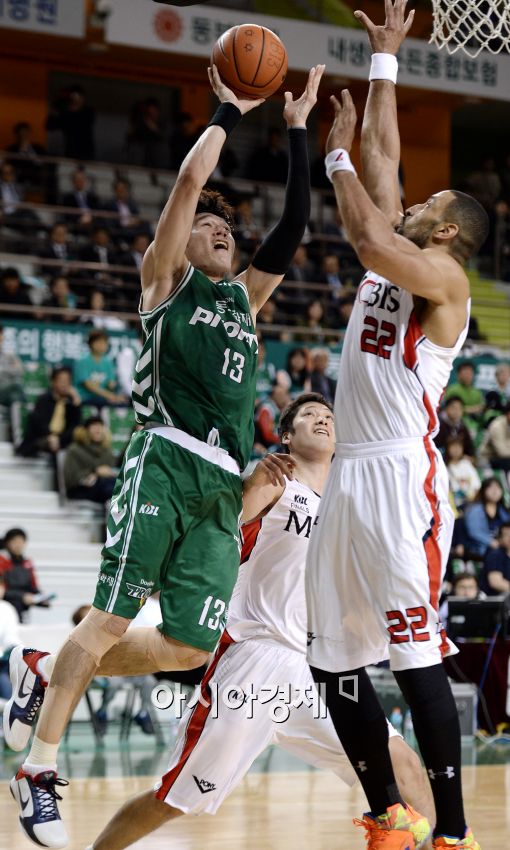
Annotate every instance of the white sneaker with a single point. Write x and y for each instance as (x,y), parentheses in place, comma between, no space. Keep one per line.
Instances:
(28,689)
(39,817)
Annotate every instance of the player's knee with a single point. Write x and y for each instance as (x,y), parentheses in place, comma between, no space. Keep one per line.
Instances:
(176,655)
(98,632)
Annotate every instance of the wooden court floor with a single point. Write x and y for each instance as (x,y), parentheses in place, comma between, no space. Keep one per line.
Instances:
(289,811)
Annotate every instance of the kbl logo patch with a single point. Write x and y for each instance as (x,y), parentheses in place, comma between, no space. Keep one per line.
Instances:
(149,509)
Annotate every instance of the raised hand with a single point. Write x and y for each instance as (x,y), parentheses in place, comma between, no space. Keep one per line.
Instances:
(388,38)
(226,95)
(296,112)
(342,132)
(273,469)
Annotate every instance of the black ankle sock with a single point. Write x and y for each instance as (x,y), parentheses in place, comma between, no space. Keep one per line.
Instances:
(437,729)
(363,731)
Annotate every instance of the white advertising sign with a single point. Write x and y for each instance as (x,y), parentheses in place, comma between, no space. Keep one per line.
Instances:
(193,30)
(53,17)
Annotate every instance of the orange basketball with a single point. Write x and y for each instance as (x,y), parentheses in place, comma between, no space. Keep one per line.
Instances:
(251,60)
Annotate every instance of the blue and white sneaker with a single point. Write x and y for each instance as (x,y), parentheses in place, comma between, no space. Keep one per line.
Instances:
(39,817)
(28,688)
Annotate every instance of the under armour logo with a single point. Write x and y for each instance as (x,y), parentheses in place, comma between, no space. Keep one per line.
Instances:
(361,766)
(449,773)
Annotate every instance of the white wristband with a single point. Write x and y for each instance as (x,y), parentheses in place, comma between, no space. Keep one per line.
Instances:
(338,160)
(384,67)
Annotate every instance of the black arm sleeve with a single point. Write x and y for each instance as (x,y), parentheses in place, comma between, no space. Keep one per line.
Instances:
(279,246)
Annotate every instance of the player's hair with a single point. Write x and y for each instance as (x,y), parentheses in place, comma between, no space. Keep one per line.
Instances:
(289,413)
(215,204)
(473,223)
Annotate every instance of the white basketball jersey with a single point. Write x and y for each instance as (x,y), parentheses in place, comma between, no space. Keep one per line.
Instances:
(269,596)
(391,376)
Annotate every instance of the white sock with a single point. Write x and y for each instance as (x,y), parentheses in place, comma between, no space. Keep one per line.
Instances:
(45,667)
(42,756)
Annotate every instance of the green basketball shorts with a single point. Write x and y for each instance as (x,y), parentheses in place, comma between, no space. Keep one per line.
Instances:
(173,527)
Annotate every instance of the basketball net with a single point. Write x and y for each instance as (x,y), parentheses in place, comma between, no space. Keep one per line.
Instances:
(471,25)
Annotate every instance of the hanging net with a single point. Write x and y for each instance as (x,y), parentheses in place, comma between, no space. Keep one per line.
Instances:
(471,25)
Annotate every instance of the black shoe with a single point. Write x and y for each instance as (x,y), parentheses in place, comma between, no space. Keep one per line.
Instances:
(144,721)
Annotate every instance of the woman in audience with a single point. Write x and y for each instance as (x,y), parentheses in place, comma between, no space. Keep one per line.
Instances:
(464,479)
(315,320)
(21,588)
(89,465)
(100,319)
(296,375)
(484,518)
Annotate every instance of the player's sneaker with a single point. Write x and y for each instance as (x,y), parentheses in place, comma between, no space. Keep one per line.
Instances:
(469,842)
(28,690)
(398,819)
(37,797)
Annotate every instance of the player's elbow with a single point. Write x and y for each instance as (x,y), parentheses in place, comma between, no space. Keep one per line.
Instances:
(190,177)
(369,252)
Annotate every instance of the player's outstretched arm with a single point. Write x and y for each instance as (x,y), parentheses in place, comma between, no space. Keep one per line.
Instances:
(274,256)
(165,261)
(380,140)
(432,275)
(266,484)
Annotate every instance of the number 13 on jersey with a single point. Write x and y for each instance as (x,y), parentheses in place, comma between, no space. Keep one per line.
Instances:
(236,360)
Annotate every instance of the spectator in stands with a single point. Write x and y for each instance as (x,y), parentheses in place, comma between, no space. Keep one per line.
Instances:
(266,419)
(13,292)
(81,197)
(75,119)
(269,163)
(496,564)
(301,270)
(471,397)
(56,414)
(466,585)
(90,467)
(27,160)
(100,249)
(247,231)
(127,224)
(9,637)
(266,372)
(267,316)
(314,320)
(135,255)
(335,230)
(451,425)
(496,445)
(11,376)
(320,381)
(95,374)
(12,195)
(58,245)
(484,518)
(484,183)
(61,298)
(342,313)
(100,319)
(296,375)
(464,479)
(21,588)
(496,400)
(182,139)
(330,274)
(145,138)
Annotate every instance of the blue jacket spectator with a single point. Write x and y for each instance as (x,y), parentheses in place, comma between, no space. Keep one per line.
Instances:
(496,567)
(484,518)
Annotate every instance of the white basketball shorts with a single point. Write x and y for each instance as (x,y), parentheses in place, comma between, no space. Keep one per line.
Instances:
(377,557)
(221,736)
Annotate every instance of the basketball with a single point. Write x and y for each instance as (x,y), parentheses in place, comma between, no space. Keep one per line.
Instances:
(251,60)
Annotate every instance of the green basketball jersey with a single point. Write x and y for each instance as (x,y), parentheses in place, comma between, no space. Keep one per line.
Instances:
(197,369)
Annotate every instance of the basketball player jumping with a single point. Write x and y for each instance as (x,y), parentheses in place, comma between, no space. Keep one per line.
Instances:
(377,559)
(174,519)
(262,652)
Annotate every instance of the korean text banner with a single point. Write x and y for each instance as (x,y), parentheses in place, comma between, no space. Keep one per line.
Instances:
(53,17)
(193,30)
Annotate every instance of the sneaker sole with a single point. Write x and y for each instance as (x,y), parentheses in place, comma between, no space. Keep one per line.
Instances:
(13,675)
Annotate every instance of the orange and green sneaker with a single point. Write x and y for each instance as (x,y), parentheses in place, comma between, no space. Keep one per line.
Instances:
(399,824)
(469,842)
